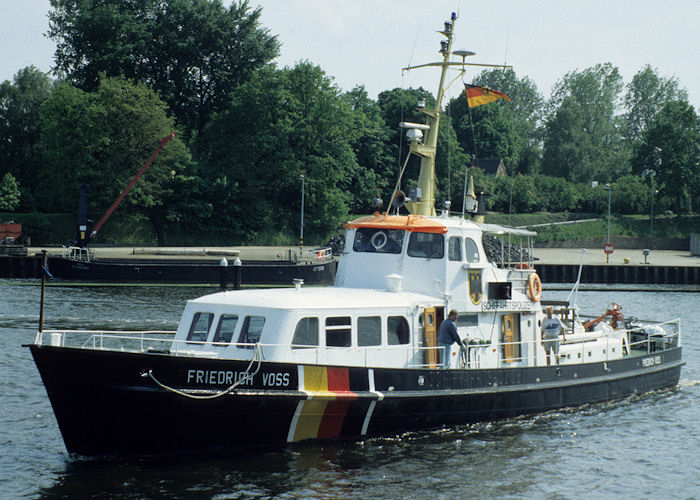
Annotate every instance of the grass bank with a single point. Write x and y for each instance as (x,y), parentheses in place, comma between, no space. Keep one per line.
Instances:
(126,229)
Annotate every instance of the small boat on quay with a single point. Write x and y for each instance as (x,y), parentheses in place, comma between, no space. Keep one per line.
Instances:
(366,356)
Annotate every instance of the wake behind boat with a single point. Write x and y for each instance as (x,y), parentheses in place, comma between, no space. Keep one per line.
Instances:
(275,366)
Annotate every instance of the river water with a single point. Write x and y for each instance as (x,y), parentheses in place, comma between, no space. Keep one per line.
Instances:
(641,447)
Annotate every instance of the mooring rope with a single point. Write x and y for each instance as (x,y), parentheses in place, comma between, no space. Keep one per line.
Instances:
(257,355)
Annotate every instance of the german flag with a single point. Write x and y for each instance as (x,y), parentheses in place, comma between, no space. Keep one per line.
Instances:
(476,96)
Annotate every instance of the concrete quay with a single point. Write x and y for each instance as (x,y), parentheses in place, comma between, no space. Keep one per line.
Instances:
(554,265)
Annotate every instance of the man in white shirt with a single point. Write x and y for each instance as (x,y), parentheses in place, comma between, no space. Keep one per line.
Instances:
(551,327)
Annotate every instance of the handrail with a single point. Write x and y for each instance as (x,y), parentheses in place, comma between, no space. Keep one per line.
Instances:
(656,339)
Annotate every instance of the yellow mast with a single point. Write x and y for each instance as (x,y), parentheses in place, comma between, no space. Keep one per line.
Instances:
(427,149)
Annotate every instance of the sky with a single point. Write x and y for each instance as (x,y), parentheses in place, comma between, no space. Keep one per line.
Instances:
(368,42)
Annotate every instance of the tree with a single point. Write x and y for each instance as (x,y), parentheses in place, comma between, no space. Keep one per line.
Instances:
(102,139)
(583,138)
(9,193)
(193,52)
(374,154)
(19,128)
(525,110)
(646,95)
(670,149)
(281,124)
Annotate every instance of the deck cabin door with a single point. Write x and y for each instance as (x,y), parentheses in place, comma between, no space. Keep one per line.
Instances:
(430,356)
(510,328)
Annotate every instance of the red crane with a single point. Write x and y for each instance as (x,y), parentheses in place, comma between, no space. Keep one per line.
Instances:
(119,199)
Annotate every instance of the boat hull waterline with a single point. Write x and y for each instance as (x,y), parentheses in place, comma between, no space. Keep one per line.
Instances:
(105,402)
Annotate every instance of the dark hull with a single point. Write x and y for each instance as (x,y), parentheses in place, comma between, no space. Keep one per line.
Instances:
(105,405)
(252,273)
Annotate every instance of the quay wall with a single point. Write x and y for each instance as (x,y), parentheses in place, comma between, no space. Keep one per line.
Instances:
(30,267)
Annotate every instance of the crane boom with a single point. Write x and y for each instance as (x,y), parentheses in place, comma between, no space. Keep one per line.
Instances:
(119,199)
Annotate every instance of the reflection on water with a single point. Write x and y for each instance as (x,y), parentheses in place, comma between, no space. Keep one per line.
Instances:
(632,448)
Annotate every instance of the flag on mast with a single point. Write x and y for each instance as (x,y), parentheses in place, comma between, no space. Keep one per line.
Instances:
(476,96)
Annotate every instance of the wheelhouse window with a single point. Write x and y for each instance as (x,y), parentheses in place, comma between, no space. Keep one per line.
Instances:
(454,248)
(378,240)
(306,333)
(467,319)
(472,252)
(199,329)
(338,331)
(251,330)
(369,331)
(427,245)
(397,330)
(225,328)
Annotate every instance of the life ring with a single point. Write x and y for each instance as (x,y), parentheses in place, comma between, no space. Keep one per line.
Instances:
(534,287)
(378,240)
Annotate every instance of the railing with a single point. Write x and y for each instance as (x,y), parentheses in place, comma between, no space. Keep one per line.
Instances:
(77,253)
(644,339)
(319,255)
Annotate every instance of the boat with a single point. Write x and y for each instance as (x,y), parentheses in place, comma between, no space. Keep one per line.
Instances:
(269,367)
(315,266)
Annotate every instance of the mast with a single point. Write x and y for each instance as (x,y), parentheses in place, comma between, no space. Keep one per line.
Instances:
(427,149)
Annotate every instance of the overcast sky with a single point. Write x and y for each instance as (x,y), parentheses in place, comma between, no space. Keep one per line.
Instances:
(368,41)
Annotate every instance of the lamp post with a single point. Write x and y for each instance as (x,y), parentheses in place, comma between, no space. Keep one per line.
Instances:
(301,231)
(607,255)
(651,213)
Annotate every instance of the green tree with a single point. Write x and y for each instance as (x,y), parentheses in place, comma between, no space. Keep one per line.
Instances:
(102,139)
(646,95)
(583,139)
(670,149)
(281,124)
(525,110)
(9,193)
(19,128)
(193,52)
(370,140)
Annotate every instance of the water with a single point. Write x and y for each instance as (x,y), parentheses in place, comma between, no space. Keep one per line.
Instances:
(642,447)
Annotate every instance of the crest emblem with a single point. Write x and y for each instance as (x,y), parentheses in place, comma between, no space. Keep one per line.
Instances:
(475,287)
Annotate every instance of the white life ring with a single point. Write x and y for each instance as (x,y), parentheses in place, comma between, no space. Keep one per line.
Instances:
(379,240)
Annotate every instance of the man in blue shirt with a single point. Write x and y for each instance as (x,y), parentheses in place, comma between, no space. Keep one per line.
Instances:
(551,326)
(447,335)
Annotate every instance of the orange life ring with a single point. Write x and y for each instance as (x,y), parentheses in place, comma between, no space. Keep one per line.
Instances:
(534,287)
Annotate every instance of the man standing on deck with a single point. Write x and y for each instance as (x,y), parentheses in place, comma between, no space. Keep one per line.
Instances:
(447,335)
(551,326)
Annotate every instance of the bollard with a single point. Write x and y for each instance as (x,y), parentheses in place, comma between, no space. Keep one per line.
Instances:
(223,271)
(237,267)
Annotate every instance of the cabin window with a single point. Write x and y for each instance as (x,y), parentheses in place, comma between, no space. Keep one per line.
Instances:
(251,330)
(199,329)
(472,252)
(338,331)
(369,331)
(466,319)
(225,328)
(454,248)
(306,333)
(427,245)
(397,330)
(378,240)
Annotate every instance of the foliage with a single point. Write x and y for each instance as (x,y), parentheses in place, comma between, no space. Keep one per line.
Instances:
(669,150)
(19,127)
(582,139)
(302,126)
(9,193)
(646,95)
(370,140)
(102,139)
(194,53)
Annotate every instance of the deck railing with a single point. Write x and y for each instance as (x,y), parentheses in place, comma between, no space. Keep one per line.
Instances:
(643,339)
